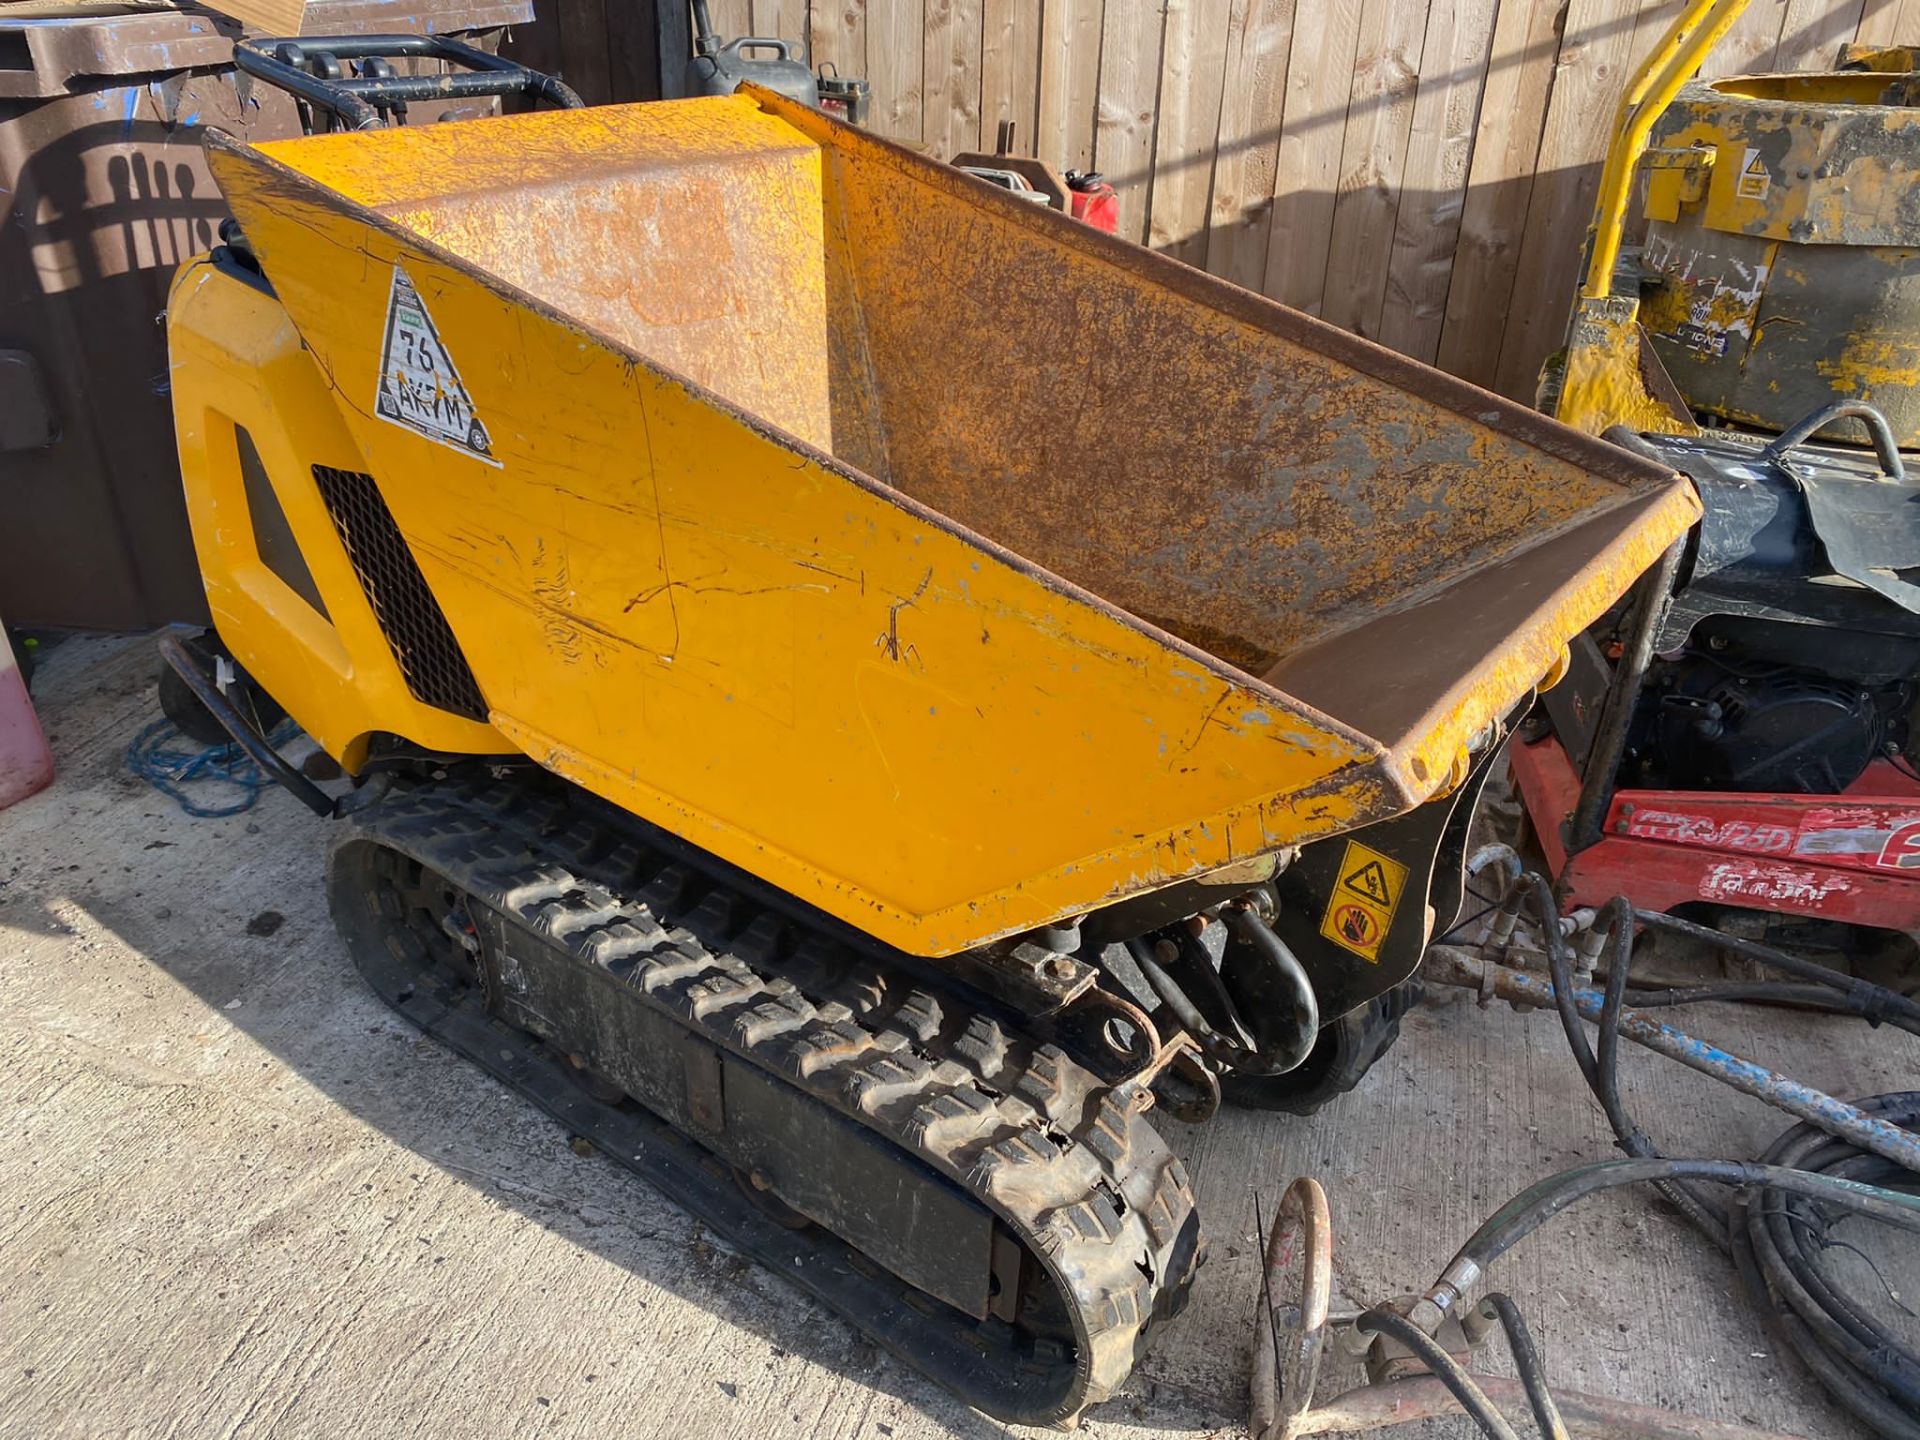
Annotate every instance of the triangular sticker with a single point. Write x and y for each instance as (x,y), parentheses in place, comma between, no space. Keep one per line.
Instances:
(420,388)
(1370,880)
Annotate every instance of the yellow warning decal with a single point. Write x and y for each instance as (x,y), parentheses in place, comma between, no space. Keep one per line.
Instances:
(1360,910)
(1755,178)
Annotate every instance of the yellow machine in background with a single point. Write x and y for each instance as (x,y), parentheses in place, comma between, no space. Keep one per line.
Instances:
(854,739)
(1777,274)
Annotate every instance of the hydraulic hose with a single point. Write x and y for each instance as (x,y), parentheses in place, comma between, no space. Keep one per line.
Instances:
(1526,1360)
(1876,1003)
(1236,1052)
(1544,1199)
(1775,1224)
(1452,1374)
(1602,1070)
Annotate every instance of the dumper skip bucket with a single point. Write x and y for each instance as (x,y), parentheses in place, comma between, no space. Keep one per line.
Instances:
(948,564)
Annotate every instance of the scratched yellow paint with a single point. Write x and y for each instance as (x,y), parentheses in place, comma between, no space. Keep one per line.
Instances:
(1834,165)
(700,613)
(1604,384)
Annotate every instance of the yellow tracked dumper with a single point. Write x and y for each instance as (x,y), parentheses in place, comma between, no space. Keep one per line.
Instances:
(857,690)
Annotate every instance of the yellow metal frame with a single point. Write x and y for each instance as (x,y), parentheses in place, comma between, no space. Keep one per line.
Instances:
(1611,376)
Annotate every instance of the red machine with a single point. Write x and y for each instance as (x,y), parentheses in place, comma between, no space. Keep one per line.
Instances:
(1750,740)
(1853,857)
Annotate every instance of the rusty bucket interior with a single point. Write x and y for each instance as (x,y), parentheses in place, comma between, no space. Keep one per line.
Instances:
(1376,539)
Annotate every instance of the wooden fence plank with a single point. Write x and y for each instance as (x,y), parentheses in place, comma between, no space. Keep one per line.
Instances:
(1814,32)
(894,36)
(731,18)
(1513,110)
(1597,55)
(583,49)
(1890,22)
(950,93)
(1123,127)
(1010,72)
(837,35)
(1192,72)
(1069,81)
(537,43)
(1386,71)
(1253,92)
(765,17)
(633,51)
(1446,111)
(1749,47)
(1312,129)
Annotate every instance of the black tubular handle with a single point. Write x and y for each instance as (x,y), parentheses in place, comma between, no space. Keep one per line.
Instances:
(1883,444)
(315,70)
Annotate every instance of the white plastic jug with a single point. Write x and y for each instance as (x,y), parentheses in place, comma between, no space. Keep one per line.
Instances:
(26,764)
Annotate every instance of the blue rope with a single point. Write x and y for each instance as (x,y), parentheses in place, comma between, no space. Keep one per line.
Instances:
(170,762)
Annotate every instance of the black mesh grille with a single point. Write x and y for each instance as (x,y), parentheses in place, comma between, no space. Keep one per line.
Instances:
(415,627)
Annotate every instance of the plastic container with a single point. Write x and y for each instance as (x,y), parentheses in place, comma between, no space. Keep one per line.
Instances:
(26,764)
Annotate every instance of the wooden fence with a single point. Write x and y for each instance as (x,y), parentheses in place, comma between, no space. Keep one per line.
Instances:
(1418,171)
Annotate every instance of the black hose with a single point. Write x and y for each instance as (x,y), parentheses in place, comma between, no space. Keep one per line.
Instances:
(1228,1051)
(1526,1360)
(1778,1215)
(209,694)
(1473,1400)
(1602,1071)
(1250,928)
(1544,1199)
(1779,1247)
(1876,1002)
(1746,992)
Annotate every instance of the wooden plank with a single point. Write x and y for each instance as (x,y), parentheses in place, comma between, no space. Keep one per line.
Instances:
(1312,129)
(583,49)
(1259,41)
(731,18)
(1380,109)
(950,91)
(1453,66)
(1596,59)
(1890,22)
(1749,47)
(1010,72)
(837,35)
(674,25)
(1069,81)
(1192,72)
(537,45)
(780,19)
(633,51)
(267,17)
(1814,31)
(894,30)
(1513,110)
(1123,128)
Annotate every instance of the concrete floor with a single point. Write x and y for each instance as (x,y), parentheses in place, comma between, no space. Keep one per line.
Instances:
(242,1199)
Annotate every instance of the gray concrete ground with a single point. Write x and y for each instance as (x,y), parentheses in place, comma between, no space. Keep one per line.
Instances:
(243,1199)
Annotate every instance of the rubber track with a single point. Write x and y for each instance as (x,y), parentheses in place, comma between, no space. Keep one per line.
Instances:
(1068,1163)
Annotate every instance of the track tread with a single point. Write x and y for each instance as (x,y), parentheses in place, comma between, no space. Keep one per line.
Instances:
(1066,1160)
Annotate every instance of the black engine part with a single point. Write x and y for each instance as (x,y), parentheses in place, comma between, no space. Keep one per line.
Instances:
(1768,730)
(1788,661)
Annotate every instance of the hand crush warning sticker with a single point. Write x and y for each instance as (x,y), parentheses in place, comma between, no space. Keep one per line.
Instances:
(419,387)
(1360,910)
